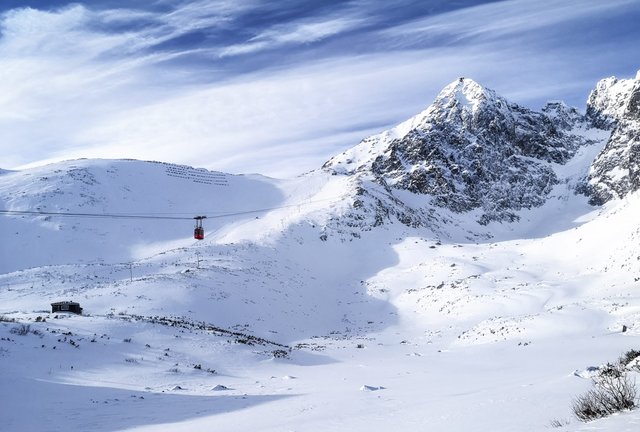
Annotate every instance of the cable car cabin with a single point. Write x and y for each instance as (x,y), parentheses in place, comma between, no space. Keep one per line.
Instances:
(198,232)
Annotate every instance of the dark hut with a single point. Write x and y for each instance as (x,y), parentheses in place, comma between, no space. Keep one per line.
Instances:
(66,306)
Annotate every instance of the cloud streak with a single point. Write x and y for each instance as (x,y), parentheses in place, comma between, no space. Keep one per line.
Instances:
(499,20)
(278,88)
(299,33)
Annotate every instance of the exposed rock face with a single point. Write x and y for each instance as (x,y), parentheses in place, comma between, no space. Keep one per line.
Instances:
(471,149)
(607,103)
(616,171)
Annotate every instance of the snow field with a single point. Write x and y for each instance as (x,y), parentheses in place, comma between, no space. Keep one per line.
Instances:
(398,329)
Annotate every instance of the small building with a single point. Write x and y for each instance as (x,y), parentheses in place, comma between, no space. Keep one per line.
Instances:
(66,306)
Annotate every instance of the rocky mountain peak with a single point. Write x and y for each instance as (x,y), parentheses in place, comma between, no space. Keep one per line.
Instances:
(466,101)
(615,104)
(460,102)
(563,115)
(612,100)
(465,93)
(469,150)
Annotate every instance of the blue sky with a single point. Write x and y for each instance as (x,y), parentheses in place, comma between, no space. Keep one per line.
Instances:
(277,87)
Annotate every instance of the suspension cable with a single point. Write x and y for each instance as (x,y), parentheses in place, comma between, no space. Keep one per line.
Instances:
(161,216)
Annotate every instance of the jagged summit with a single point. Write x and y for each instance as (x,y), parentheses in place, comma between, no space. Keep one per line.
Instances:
(612,100)
(563,115)
(471,149)
(615,104)
(461,99)
(465,93)
(465,89)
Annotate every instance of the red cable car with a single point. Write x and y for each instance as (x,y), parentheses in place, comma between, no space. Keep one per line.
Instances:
(198,232)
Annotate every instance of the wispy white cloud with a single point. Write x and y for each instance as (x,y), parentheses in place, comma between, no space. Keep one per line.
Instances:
(298,33)
(502,19)
(83,82)
(204,13)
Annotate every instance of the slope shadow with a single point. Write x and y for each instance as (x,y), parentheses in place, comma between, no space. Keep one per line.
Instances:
(562,212)
(338,301)
(299,288)
(48,406)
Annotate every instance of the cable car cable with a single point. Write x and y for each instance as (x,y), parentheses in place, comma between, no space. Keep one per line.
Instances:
(150,215)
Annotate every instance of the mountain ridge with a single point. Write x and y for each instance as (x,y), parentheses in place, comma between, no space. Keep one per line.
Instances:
(472,149)
(468,163)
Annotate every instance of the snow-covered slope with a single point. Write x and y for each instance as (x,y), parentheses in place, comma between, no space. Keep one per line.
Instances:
(436,276)
(124,228)
(116,188)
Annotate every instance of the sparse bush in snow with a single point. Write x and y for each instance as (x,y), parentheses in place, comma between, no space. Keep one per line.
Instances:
(128,340)
(21,330)
(558,423)
(629,357)
(279,353)
(611,370)
(611,394)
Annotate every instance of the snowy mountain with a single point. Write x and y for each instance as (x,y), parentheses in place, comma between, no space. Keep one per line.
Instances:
(436,276)
(472,149)
(616,171)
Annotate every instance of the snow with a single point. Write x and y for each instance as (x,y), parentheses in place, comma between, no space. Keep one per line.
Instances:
(294,314)
(467,93)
